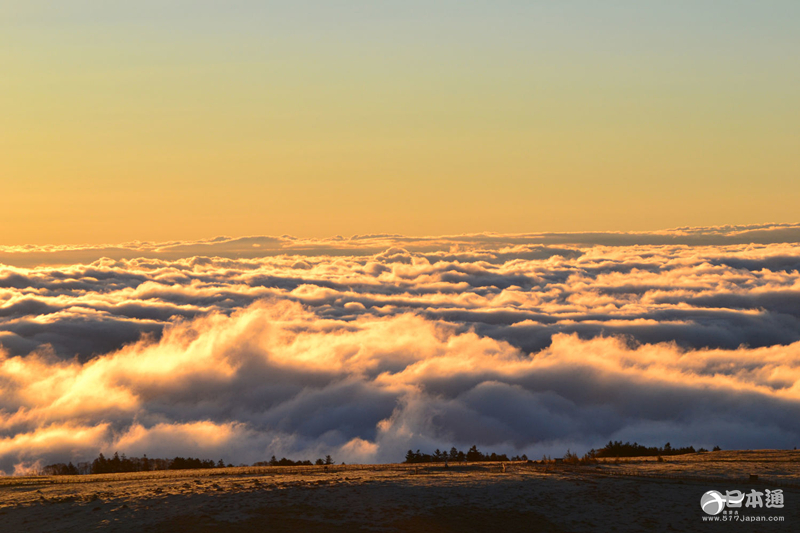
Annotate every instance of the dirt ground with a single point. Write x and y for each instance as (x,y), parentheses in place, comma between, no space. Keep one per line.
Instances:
(634,495)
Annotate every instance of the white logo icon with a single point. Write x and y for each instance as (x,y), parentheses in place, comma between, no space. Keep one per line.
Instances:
(712,502)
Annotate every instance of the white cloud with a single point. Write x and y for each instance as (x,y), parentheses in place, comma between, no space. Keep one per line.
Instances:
(494,340)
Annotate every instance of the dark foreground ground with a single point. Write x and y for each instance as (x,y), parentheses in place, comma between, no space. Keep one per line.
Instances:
(399,498)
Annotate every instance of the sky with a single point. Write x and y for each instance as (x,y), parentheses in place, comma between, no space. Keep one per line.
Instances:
(365,348)
(164,120)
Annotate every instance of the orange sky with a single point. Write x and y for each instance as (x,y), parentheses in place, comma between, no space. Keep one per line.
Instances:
(159,122)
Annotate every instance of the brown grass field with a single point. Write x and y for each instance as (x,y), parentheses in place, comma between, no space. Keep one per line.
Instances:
(631,494)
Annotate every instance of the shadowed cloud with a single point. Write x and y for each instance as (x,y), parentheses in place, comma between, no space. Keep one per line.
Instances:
(368,346)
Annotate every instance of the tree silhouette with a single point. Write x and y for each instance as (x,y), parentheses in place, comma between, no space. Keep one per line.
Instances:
(473,455)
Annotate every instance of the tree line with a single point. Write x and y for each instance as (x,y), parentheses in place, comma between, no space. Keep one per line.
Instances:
(288,462)
(473,455)
(618,449)
(121,463)
(612,449)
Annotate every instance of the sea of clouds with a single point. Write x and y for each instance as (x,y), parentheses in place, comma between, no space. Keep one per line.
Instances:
(365,347)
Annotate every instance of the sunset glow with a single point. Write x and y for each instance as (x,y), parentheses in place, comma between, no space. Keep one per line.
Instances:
(525,343)
(160,120)
(379,248)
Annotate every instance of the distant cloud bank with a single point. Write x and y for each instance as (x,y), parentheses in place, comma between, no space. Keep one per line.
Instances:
(364,347)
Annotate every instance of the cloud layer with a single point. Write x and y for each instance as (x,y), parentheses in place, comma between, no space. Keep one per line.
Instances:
(366,347)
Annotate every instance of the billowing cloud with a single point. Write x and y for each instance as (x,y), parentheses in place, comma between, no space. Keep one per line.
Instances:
(368,346)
